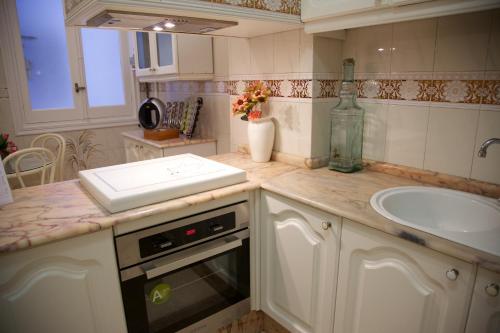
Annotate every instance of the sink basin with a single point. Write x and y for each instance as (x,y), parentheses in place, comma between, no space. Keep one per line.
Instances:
(469,219)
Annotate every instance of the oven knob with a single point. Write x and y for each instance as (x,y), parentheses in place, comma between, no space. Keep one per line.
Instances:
(216,227)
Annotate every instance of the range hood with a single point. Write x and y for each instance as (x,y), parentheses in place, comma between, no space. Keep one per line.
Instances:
(156,22)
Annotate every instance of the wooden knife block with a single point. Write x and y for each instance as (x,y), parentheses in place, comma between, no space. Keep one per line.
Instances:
(161,134)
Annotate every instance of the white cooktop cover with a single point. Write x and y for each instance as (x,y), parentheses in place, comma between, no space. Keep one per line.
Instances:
(131,185)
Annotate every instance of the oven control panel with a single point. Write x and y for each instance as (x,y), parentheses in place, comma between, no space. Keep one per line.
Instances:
(184,235)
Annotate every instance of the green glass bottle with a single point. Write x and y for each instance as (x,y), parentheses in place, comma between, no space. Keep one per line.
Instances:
(346,143)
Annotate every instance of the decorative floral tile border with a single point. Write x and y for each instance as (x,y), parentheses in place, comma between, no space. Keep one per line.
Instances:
(465,91)
(279,6)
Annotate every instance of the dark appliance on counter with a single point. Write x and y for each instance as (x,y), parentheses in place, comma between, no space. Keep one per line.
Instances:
(187,275)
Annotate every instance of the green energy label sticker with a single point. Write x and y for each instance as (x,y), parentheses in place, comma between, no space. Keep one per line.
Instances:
(160,293)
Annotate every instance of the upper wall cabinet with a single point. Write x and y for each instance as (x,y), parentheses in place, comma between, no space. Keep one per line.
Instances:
(166,56)
(330,15)
(223,18)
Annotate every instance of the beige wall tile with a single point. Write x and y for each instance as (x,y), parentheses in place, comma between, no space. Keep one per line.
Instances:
(450,140)
(375,130)
(373,54)
(239,134)
(413,46)
(262,54)
(321,128)
(493,61)
(293,127)
(306,52)
(221,56)
(462,42)
(406,132)
(327,55)
(488,168)
(239,56)
(287,52)
(349,44)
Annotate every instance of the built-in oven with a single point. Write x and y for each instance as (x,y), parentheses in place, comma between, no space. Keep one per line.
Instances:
(187,275)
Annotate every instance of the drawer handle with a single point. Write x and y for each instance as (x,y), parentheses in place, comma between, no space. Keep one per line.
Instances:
(492,289)
(452,274)
(326,225)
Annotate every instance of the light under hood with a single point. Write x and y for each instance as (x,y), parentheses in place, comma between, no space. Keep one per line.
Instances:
(156,22)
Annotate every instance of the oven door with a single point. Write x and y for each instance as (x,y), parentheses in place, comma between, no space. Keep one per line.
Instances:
(180,289)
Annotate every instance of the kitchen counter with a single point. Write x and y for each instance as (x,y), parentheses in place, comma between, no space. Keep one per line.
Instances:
(138,135)
(42,214)
(348,196)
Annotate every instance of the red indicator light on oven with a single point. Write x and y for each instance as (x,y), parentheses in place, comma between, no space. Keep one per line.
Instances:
(190,232)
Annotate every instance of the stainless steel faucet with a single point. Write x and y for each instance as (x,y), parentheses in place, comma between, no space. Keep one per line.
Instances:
(485,145)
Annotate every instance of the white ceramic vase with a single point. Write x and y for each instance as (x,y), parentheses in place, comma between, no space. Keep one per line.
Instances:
(261,139)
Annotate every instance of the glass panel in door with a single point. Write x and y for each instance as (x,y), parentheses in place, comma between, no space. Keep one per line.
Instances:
(103,67)
(190,294)
(164,49)
(45,50)
(143,51)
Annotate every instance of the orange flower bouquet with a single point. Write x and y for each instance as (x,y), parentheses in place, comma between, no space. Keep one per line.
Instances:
(247,104)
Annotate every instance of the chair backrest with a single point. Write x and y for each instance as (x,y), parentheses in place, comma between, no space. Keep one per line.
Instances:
(57,144)
(42,161)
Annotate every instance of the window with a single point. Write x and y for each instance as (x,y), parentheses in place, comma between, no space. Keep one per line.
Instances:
(66,77)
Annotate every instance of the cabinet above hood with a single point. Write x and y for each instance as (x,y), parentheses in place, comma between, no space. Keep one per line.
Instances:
(188,16)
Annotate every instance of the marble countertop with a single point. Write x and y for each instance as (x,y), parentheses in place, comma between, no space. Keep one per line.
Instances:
(42,214)
(348,195)
(181,141)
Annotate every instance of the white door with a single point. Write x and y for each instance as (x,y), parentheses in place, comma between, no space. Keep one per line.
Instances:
(132,150)
(298,264)
(66,286)
(388,285)
(484,315)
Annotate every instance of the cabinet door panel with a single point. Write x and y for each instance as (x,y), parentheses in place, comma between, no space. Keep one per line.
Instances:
(390,285)
(484,316)
(318,9)
(132,151)
(148,152)
(66,286)
(299,261)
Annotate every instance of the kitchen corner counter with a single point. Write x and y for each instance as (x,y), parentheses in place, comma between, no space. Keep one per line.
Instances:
(43,214)
(348,196)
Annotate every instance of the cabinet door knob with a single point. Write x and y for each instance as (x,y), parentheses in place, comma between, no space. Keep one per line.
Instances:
(452,274)
(325,225)
(492,289)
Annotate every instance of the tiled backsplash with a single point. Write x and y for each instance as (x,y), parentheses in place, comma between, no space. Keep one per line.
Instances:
(431,90)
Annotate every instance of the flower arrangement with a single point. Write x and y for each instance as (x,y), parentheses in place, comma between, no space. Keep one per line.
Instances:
(247,104)
(6,146)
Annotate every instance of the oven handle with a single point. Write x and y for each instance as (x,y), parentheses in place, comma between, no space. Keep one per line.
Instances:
(204,251)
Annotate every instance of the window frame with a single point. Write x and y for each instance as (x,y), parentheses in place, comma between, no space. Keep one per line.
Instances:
(28,121)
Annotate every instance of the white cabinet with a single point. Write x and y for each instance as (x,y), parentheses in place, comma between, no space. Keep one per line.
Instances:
(390,285)
(484,315)
(136,150)
(331,15)
(299,253)
(167,56)
(67,286)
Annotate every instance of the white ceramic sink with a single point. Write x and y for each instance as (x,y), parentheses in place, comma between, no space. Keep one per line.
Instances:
(469,219)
